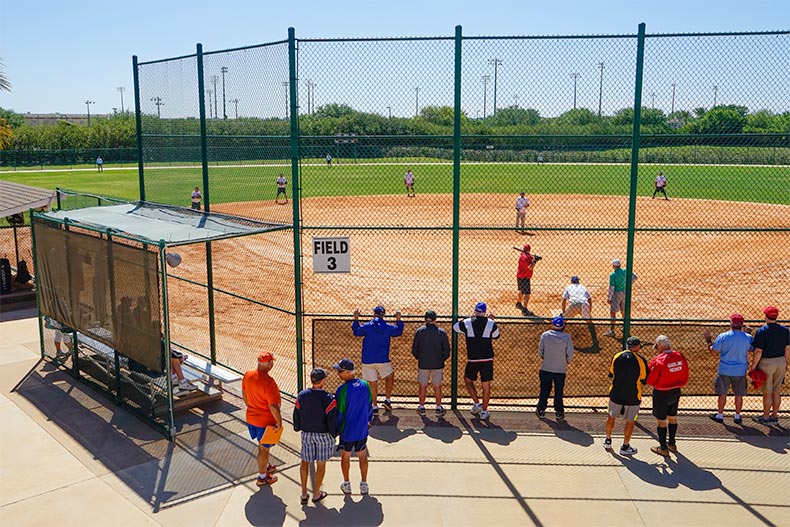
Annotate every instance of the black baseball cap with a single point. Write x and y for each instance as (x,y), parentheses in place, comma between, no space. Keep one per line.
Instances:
(344,365)
(430,315)
(318,374)
(633,341)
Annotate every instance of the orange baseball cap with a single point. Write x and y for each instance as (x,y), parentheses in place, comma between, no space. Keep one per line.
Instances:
(266,356)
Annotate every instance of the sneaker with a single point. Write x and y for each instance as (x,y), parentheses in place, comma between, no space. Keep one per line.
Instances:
(270,469)
(440,411)
(387,405)
(627,450)
(527,313)
(477,408)
(609,333)
(775,419)
(718,418)
(186,386)
(560,416)
(375,410)
(764,420)
(268,480)
(660,451)
(737,419)
(484,415)
(519,306)
(421,411)
(363,487)
(540,413)
(346,487)
(672,447)
(607,444)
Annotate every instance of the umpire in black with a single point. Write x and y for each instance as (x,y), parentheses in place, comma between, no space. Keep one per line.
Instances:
(431,348)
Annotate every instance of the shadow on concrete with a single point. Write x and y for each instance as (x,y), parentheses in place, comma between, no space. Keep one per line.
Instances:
(490,432)
(441,429)
(760,436)
(567,432)
(385,428)
(366,511)
(264,508)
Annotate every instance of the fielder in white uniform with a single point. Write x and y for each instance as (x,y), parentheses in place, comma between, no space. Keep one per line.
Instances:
(408,179)
(576,300)
(522,202)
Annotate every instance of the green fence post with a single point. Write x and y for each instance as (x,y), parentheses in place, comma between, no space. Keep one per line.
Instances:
(166,333)
(138,128)
(38,282)
(456,212)
(636,135)
(111,275)
(57,196)
(206,203)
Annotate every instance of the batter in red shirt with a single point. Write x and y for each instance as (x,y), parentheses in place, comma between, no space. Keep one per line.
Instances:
(669,372)
(526,266)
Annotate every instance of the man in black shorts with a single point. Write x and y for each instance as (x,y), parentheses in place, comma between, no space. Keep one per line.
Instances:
(669,372)
(479,331)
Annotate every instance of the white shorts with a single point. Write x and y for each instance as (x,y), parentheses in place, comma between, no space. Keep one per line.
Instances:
(627,412)
(372,372)
(434,375)
(576,309)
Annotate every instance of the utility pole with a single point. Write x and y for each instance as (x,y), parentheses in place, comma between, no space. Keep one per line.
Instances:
(715,93)
(208,92)
(158,102)
(389,111)
(285,85)
(214,79)
(309,83)
(486,78)
(416,101)
(600,89)
(224,70)
(515,97)
(653,100)
(236,102)
(88,104)
(496,62)
(673,100)
(121,89)
(575,77)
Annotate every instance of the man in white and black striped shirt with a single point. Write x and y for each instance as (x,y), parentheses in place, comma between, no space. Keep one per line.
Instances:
(480,331)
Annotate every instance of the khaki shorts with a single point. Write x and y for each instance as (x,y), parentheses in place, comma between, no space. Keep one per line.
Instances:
(372,372)
(618,302)
(627,412)
(774,369)
(577,309)
(434,375)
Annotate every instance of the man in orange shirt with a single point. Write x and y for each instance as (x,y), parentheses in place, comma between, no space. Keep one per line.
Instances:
(262,397)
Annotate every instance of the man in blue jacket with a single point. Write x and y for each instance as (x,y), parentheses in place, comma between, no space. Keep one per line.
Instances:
(376,352)
(354,414)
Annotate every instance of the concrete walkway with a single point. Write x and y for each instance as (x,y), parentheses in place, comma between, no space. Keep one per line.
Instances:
(69,456)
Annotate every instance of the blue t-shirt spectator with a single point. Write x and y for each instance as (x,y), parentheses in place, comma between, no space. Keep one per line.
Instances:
(733,347)
(376,341)
(354,410)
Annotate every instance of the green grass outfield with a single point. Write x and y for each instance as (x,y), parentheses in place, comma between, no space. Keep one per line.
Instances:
(761,184)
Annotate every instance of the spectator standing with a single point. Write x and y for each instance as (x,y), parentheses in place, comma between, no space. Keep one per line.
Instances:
(771,354)
(616,293)
(196,197)
(480,331)
(376,352)
(99,164)
(354,415)
(540,159)
(408,180)
(315,416)
(556,349)
(629,373)
(669,372)
(524,272)
(262,397)
(661,186)
(733,347)
(328,160)
(281,189)
(431,348)
(576,300)
(522,202)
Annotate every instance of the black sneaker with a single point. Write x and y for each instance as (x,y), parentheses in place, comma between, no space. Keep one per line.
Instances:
(738,419)
(387,405)
(421,411)
(607,444)
(519,306)
(375,410)
(540,413)
(716,418)
(560,416)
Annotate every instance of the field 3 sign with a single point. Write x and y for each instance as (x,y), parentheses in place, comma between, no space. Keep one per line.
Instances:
(331,255)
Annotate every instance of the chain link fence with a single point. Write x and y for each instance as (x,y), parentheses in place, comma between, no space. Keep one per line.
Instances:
(473,122)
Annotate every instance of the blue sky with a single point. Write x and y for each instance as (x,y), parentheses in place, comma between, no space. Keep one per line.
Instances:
(57,54)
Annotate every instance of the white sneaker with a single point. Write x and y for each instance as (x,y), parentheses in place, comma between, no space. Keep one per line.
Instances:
(477,408)
(186,386)
(484,415)
(363,487)
(346,487)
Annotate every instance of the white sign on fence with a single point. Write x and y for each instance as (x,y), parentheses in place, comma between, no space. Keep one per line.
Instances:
(331,255)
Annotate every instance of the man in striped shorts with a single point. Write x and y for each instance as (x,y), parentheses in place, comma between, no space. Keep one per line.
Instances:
(479,331)
(315,415)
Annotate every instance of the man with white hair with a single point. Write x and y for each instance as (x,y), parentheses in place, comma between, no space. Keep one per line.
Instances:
(616,293)
(669,372)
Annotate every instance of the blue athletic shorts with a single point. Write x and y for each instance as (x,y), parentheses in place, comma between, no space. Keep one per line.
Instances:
(354,446)
(256,434)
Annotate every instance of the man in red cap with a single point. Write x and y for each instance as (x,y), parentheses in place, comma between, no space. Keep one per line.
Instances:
(771,353)
(262,397)
(526,266)
(733,347)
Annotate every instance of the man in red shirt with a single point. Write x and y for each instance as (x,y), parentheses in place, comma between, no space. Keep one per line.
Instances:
(526,266)
(669,372)
(262,397)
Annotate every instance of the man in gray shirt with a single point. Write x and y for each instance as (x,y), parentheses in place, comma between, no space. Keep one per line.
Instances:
(556,350)
(431,348)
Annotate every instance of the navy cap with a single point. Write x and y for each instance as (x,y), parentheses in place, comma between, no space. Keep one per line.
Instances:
(574,279)
(481,307)
(344,365)
(378,310)
(558,322)
(318,374)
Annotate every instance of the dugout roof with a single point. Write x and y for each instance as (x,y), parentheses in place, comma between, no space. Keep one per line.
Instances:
(16,198)
(152,222)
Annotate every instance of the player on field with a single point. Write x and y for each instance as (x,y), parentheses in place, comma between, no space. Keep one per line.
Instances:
(281,189)
(661,186)
(522,202)
(408,179)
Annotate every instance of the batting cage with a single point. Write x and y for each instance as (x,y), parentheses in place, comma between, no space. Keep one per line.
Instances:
(413,173)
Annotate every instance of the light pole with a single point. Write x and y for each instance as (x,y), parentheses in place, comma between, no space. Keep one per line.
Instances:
(515,97)
(416,101)
(121,89)
(673,100)
(496,62)
(214,79)
(575,77)
(114,110)
(285,85)
(310,85)
(236,102)
(208,92)
(715,93)
(88,104)
(224,70)
(600,89)
(158,102)
(486,78)
(653,100)
(389,111)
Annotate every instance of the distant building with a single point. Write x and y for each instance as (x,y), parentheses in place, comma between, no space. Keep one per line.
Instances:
(80,119)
